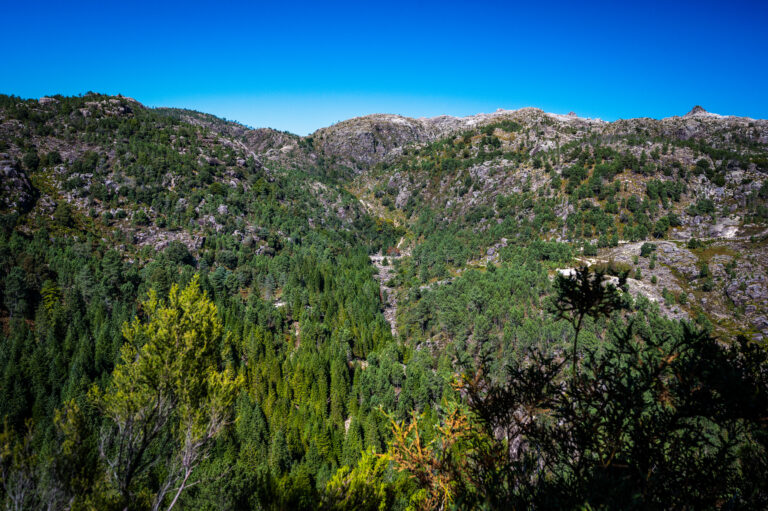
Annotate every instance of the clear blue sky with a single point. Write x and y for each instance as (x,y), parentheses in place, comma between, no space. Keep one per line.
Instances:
(298,67)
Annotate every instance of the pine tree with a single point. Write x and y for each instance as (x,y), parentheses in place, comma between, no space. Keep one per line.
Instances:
(584,294)
(169,389)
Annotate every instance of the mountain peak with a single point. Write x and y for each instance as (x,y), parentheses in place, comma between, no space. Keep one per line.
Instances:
(697,110)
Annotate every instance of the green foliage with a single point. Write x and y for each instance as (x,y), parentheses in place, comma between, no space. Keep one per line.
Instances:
(178,253)
(702,207)
(583,294)
(31,160)
(591,441)
(170,397)
(63,215)
(647,249)
(363,487)
(285,298)
(141,218)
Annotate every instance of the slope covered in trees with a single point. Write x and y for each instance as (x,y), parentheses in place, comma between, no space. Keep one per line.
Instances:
(190,318)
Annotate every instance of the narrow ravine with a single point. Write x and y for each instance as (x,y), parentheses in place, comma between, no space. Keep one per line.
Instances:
(384,272)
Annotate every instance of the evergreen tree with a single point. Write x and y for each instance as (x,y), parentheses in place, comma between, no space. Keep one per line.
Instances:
(169,391)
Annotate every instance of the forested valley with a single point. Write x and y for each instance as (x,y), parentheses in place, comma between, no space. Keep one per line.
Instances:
(521,311)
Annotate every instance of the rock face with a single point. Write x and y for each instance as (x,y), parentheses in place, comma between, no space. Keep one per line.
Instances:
(362,142)
(16,192)
(670,256)
(159,239)
(697,110)
(384,273)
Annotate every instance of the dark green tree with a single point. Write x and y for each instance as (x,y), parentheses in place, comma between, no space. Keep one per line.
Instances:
(16,292)
(584,293)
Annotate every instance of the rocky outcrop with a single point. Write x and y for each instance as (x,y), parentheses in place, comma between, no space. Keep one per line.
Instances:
(362,142)
(384,272)
(16,191)
(696,110)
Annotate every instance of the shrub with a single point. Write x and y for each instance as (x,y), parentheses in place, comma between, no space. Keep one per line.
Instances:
(140,218)
(63,215)
(646,249)
(31,160)
(178,252)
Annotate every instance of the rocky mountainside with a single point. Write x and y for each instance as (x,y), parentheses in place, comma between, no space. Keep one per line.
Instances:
(365,141)
(265,145)
(698,181)
(463,191)
(147,178)
(362,142)
(350,279)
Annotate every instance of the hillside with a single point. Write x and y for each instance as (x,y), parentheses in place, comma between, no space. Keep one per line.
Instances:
(355,276)
(697,181)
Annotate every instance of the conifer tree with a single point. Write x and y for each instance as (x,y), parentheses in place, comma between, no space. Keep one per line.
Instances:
(584,294)
(170,397)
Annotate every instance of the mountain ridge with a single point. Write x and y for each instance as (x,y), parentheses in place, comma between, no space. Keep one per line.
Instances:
(362,269)
(710,170)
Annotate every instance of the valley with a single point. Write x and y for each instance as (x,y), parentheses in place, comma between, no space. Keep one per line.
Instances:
(320,297)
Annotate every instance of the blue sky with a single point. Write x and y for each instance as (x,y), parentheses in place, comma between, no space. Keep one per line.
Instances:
(300,66)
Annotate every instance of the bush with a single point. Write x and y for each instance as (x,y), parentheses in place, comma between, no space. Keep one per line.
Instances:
(227,258)
(140,218)
(31,160)
(178,253)
(550,251)
(647,249)
(53,158)
(63,215)
(661,227)
(587,442)
(613,268)
(702,207)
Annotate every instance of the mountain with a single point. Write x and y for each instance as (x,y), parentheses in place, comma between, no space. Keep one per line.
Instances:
(358,274)
(606,186)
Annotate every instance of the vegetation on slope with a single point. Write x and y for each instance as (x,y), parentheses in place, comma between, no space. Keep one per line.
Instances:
(190,317)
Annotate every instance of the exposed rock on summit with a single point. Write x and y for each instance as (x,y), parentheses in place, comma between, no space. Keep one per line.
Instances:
(696,110)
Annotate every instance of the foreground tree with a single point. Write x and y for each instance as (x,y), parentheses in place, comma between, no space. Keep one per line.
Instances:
(170,397)
(583,294)
(677,421)
(361,488)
